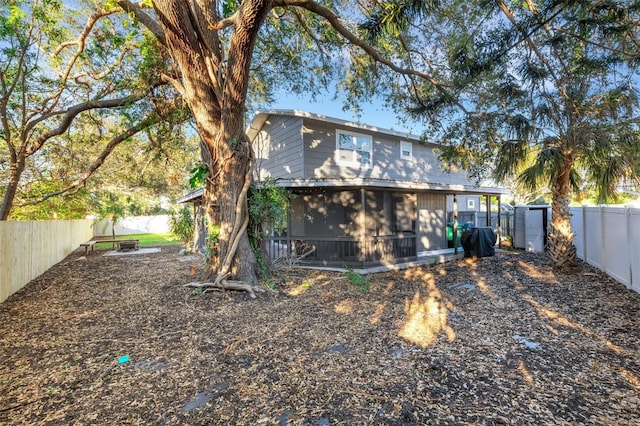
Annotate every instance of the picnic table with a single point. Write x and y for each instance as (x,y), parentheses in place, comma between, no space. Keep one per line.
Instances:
(123,244)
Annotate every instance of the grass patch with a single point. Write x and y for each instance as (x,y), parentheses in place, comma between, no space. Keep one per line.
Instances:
(152,240)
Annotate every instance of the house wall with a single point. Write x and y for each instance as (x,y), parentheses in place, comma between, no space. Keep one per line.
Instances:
(431,230)
(466,203)
(278,148)
(320,147)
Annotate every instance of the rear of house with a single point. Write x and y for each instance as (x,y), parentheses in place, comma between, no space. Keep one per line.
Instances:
(363,195)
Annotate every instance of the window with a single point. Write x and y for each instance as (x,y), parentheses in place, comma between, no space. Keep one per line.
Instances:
(353,149)
(471,204)
(406,150)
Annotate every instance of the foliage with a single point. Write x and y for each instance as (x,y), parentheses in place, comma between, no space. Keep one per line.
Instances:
(182,225)
(113,207)
(269,204)
(198,176)
(360,281)
(76,83)
(544,91)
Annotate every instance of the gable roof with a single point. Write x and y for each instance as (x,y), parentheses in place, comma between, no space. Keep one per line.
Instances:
(261,116)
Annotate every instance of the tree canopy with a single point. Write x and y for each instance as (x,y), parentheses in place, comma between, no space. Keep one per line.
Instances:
(68,76)
(542,90)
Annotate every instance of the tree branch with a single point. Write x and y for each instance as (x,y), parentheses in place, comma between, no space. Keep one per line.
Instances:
(95,165)
(70,114)
(334,21)
(144,19)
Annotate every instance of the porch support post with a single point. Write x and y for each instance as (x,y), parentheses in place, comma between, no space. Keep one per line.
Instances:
(488,203)
(363,228)
(288,238)
(499,221)
(455,223)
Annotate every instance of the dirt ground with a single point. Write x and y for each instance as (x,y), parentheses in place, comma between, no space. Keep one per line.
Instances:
(503,340)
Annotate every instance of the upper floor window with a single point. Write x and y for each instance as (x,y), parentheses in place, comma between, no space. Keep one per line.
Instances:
(406,150)
(353,149)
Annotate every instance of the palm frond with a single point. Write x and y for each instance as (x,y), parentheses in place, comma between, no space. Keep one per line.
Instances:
(510,156)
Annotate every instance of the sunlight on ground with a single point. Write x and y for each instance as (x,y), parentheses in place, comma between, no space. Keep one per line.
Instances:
(536,272)
(426,314)
(389,287)
(302,288)
(344,307)
(377,313)
(484,288)
(562,320)
(526,375)
(631,378)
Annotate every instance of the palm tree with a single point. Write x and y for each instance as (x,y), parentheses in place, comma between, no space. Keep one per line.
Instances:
(548,83)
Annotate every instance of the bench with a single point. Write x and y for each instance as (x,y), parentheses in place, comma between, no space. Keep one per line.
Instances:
(86,246)
(122,244)
(126,245)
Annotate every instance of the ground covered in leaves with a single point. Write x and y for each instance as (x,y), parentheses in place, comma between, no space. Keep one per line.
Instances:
(504,340)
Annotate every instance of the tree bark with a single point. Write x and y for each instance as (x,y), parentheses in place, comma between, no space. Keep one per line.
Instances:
(561,248)
(216,96)
(15,172)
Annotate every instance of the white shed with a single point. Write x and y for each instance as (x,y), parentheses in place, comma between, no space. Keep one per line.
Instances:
(530,227)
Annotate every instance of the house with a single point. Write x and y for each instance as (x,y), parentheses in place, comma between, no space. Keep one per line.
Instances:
(363,195)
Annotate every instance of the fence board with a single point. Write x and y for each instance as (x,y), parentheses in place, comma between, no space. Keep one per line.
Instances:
(577,225)
(607,237)
(634,247)
(593,237)
(616,251)
(29,248)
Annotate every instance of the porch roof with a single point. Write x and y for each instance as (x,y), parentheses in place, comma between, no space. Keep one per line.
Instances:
(194,195)
(390,184)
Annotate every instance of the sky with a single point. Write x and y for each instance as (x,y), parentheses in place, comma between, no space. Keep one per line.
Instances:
(373,113)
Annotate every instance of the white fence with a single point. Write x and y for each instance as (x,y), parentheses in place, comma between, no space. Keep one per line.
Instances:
(29,248)
(133,225)
(608,238)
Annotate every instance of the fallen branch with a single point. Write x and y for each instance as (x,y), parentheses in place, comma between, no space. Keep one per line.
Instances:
(227,285)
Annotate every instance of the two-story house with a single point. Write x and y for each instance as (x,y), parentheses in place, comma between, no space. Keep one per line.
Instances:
(364,195)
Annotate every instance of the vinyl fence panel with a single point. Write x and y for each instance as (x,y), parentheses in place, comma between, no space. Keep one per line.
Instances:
(608,237)
(634,247)
(577,224)
(616,248)
(593,237)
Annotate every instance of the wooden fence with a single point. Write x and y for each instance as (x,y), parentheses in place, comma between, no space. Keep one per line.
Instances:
(608,237)
(28,249)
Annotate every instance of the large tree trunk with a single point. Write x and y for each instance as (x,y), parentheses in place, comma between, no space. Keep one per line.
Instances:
(216,95)
(561,248)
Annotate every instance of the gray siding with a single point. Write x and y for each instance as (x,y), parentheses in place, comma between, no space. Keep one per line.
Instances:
(431,222)
(320,162)
(278,148)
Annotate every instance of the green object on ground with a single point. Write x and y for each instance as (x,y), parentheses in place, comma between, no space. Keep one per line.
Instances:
(462,227)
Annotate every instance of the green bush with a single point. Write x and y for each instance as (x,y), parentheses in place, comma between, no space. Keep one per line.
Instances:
(182,225)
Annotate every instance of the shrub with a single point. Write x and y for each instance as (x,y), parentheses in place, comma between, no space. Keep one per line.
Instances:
(182,225)
(361,282)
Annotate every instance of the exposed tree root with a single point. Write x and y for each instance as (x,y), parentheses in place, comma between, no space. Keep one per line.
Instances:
(226,284)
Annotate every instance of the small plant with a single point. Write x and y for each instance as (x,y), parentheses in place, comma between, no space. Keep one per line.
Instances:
(182,225)
(361,282)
